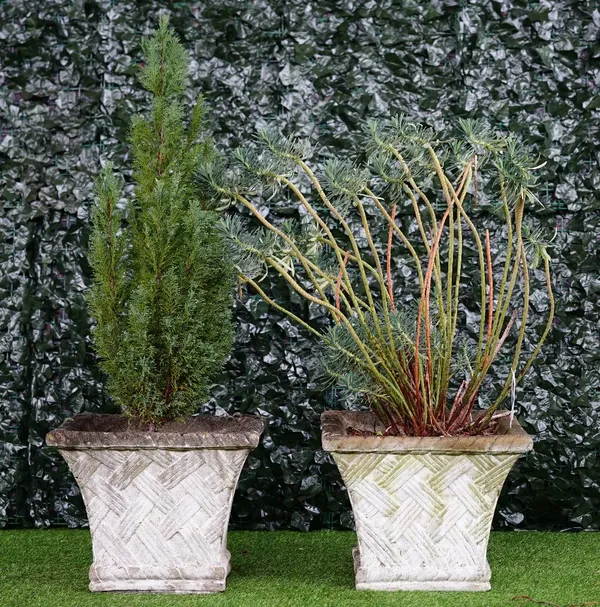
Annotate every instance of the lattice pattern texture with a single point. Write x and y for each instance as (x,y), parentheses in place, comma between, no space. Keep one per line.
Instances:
(423,520)
(158,518)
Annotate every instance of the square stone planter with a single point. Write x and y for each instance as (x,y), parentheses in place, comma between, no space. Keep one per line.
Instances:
(423,507)
(158,503)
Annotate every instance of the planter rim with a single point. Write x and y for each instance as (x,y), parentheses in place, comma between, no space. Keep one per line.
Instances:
(109,431)
(335,438)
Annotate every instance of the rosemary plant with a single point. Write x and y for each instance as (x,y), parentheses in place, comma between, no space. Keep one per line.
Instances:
(405,363)
(162,286)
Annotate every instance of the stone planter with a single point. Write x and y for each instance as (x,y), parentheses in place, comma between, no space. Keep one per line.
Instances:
(423,507)
(158,503)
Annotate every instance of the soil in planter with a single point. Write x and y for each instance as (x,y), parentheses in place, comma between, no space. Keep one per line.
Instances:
(490,430)
(122,423)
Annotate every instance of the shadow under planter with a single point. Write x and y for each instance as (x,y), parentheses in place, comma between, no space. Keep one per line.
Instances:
(423,507)
(158,502)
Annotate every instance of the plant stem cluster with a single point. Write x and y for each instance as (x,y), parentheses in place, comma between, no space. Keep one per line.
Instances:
(403,362)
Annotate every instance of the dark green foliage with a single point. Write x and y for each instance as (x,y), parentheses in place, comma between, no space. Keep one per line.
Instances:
(161,293)
(68,85)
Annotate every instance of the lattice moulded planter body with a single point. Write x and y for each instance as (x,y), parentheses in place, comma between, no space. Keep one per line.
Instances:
(423,507)
(158,503)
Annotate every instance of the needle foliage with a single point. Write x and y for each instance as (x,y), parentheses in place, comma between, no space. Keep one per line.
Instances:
(162,286)
(411,364)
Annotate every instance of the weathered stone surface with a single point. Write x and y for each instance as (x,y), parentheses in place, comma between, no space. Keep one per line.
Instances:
(96,431)
(158,503)
(423,506)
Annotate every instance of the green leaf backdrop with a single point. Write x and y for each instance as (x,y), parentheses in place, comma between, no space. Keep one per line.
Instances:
(315,68)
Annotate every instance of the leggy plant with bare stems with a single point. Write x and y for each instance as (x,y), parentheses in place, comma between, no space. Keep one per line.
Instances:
(406,364)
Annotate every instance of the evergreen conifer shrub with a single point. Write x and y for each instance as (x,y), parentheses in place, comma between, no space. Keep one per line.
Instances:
(162,286)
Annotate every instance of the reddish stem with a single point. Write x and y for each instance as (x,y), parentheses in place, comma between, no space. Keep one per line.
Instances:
(424,304)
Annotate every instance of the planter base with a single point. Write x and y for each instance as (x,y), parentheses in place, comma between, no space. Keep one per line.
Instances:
(426,586)
(161,580)
(161,586)
(391,579)
(158,502)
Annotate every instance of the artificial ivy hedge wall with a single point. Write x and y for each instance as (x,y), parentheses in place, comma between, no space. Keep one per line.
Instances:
(316,68)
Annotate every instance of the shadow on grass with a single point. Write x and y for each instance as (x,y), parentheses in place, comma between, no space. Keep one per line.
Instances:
(291,558)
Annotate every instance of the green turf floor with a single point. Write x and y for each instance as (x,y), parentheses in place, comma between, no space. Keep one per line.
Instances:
(287,569)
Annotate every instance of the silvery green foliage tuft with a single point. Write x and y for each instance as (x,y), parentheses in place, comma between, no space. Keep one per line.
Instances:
(247,249)
(536,244)
(343,182)
(284,147)
(338,363)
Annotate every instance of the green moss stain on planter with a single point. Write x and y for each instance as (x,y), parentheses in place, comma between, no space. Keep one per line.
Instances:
(423,520)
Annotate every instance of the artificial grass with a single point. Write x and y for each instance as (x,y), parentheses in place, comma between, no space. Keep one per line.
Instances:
(286,569)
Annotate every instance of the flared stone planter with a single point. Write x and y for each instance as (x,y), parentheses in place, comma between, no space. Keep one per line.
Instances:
(423,507)
(158,503)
